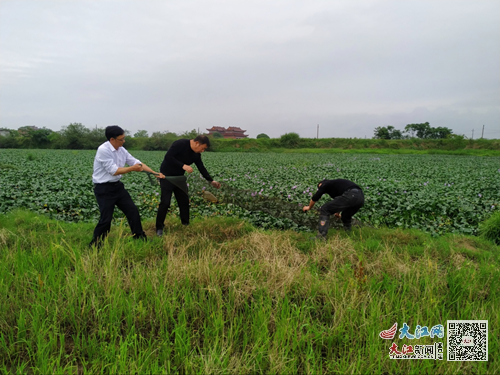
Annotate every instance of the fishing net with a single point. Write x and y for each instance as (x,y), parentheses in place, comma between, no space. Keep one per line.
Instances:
(178,181)
(274,206)
(278,207)
(251,201)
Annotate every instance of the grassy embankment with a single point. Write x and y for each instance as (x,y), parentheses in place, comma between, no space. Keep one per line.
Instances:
(458,146)
(223,297)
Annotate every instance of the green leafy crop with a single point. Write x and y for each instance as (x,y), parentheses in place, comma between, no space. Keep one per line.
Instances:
(434,193)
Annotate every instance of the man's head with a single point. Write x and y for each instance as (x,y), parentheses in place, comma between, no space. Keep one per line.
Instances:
(200,143)
(115,135)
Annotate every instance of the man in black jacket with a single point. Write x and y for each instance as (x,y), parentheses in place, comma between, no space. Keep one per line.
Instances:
(177,161)
(347,197)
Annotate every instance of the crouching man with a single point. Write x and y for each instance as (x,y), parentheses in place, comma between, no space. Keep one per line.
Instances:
(347,197)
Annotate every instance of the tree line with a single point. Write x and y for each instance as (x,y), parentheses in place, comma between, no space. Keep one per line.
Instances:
(423,131)
(78,137)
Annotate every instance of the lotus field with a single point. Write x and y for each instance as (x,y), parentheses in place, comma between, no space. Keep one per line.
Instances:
(435,193)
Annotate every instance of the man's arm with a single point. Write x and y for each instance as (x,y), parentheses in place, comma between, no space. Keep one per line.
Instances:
(133,168)
(201,167)
(134,164)
(106,159)
(147,169)
(316,196)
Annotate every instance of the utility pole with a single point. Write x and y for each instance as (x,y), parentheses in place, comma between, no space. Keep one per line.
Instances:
(472,133)
(482,133)
(317,132)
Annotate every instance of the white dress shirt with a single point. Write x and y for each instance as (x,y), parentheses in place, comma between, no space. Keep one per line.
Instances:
(108,160)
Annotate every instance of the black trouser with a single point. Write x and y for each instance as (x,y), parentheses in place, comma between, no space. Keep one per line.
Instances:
(348,203)
(108,196)
(167,188)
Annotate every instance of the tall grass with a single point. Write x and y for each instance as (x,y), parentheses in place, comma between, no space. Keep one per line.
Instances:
(490,228)
(222,297)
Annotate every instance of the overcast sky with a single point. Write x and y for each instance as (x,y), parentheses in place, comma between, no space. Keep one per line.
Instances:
(267,66)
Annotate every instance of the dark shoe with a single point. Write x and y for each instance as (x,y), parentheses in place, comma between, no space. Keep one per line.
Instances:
(95,242)
(320,237)
(140,237)
(159,232)
(323,225)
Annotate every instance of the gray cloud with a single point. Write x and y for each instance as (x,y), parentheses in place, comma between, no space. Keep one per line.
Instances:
(270,67)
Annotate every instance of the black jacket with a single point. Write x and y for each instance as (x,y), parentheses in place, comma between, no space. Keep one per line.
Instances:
(178,154)
(334,188)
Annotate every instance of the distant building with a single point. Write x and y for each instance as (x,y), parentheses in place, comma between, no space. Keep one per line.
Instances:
(216,129)
(4,132)
(231,132)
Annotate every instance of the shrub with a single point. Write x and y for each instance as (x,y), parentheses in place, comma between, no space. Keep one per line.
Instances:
(217,135)
(490,228)
(289,140)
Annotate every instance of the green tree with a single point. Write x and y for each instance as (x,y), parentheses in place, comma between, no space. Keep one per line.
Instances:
(217,135)
(95,138)
(262,135)
(32,137)
(388,132)
(419,130)
(289,140)
(41,137)
(425,131)
(56,140)
(189,134)
(25,136)
(75,136)
(141,134)
(440,133)
(160,141)
(381,132)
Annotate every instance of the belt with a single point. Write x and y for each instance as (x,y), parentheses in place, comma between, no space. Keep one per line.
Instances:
(108,183)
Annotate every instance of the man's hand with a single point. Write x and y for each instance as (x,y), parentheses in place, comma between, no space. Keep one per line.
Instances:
(309,206)
(187,168)
(215,184)
(160,175)
(136,167)
(337,215)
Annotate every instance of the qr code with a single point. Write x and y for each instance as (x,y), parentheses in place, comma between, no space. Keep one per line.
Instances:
(467,340)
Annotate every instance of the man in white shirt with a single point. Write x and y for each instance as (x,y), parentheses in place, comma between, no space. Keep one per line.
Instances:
(109,166)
